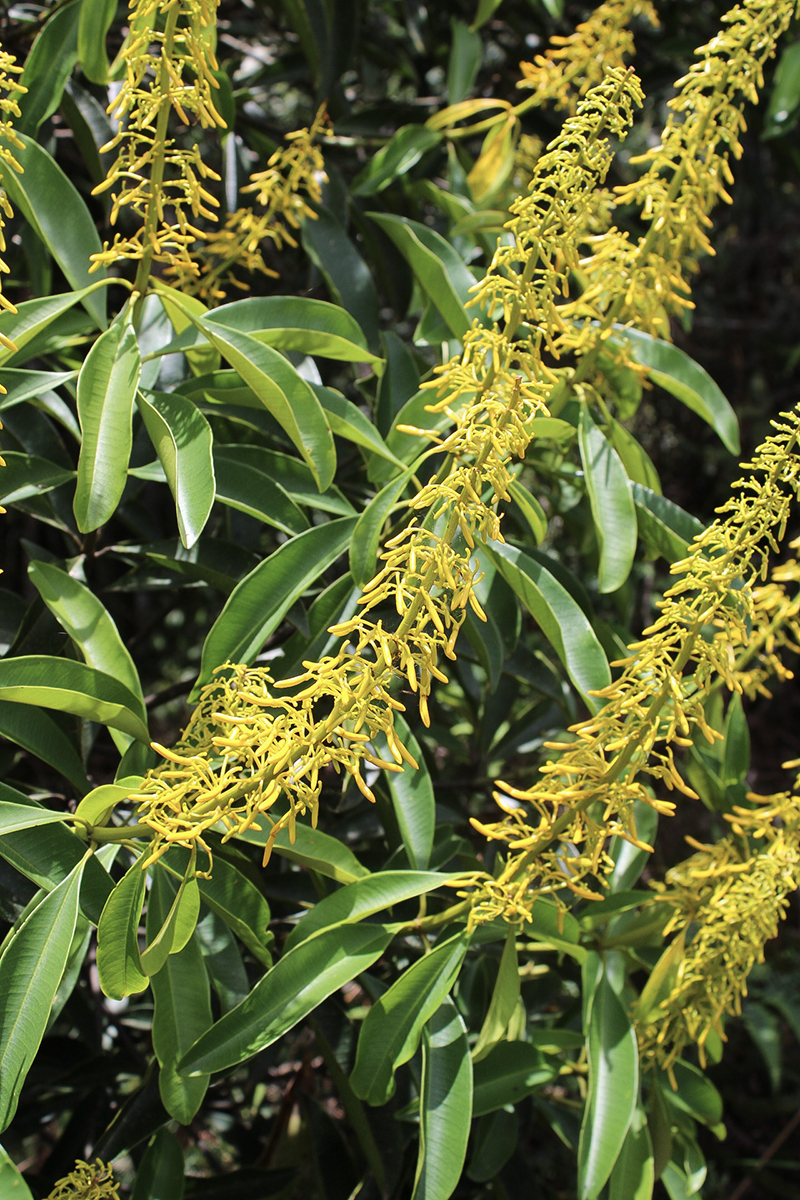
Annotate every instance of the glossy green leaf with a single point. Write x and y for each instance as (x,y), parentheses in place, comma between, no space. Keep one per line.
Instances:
(300,981)
(32,319)
(633,1176)
(118,961)
(348,421)
(531,510)
(182,999)
(363,898)
(31,967)
(50,203)
(313,849)
(503,1003)
(283,392)
(547,923)
(784,99)
(37,732)
(561,620)
(439,270)
(634,457)
(390,1035)
(201,356)
(695,1094)
(402,152)
(486,9)
(611,501)
(106,389)
(412,797)
(27,475)
(664,526)
(466,52)
(685,379)
(259,603)
(629,860)
(509,1073)
(445,1109)
(234,898)
(301,324)
(96,807)
(177,927)
(93,26)
(19,816)
(160,1175)
(182,440)
(367,534)
(91,628)
(48,66)
(289,473)
(612,1091)
(242,485)
(12,1185)
(736,747)
(25,385)
(72,687)
(344,270)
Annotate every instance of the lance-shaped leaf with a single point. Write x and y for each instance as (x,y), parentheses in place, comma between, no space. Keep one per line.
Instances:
(37,732)
(313,849)
(390,1035)
(326,243)
(21,816)
(402,152)
(682,377)
(283,392)
(445,1108)
(30,971)
(347,421)
(412,797)
(182,998)
(177,927)
(509,1073)
(119,964)
(504,1001)
(259,603)
(91,628)
(93,26)
(562,621)
(611,501)
(367,534)
(633,1177)
(665,527)
(160,1173)
(24,385)
(294,987)
(245,486)
(27,475)
(11,1182)
(106,388)
(33,317)
(72,687)
(182,439)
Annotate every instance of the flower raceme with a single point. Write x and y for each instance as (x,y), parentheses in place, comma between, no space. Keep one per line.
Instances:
(10,91)
(87,1181)
(253,740)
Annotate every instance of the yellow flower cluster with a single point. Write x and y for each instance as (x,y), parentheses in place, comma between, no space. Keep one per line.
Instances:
(558,829)
(571,65)
(283,193)
(10,91)
(88,1181)
(727,902)
(169,66)
(248,744)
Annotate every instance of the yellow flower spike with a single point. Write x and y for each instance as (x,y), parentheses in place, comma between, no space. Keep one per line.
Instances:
(87,1181)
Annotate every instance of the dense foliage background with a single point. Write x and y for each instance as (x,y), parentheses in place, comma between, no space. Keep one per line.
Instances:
(287,1122)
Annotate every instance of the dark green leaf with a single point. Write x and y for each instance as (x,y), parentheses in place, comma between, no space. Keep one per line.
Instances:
(344,270)
(48,66)
(503,1003)
(611,501)
(367,534)
(26,475)
(466,53)
(243,486)
(72,687)
(509,1073)
(182,440)
(664,526)
(412,797)
(445,1109)
(160,1174)
(38,733)
(402,152)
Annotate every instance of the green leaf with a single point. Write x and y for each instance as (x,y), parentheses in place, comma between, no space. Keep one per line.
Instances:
(550,925)
(635,458)
(363,898)
(178,926)
(241,485)
(445,1109)
(504,1001)
(297,323)
(118,962)
(439,270)
(611,501)
(182,440)
(20,816)
(39,734)
(290,474)
(784,99)
(347,275)
(259,603)
(92,630)
(47,67)
(412,797)
(201,357)
(27,475)
(106,388)
(182,999)
(629,860)
(347,421)
(531,510)
(612,1091)
(283,392)
(232,896)
(367,534)
(95,21)
(72,687)
(561,620)
(12,1185)
(313,849)
(31,967)
(96,807)
(390,1035)
(496,1139)
(685,379)
(736,747)
(663,526)
(464,63)
(509,1073)
(25,385)
(33,317)
(486,9)
(300,981)
(160,1174)
(50,203)
(402,152)
(633,1177)
(695,1094)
